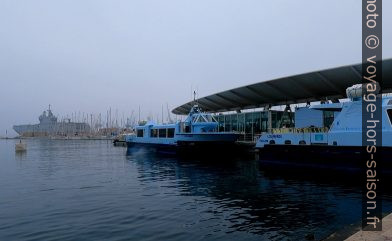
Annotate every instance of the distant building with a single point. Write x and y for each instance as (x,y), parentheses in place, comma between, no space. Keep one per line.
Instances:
(233,107)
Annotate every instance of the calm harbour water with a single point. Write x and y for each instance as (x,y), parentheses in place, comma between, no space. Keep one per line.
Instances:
(90,190)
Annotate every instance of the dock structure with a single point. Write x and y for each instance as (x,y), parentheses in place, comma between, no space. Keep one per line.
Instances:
(258,108)
(329,84)
(385,234)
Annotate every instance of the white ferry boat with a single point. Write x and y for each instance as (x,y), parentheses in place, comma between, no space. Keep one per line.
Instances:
(312,143)
(198,133)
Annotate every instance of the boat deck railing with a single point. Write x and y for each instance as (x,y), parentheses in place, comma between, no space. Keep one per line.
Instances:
(253,137)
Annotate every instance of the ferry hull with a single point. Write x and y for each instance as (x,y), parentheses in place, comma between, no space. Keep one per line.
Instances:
(207,138)
(151,147)
(190,149)
(195,136)
(320,156)
(204,148)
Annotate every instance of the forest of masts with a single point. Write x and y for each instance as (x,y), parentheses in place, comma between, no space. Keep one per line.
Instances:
(115,120)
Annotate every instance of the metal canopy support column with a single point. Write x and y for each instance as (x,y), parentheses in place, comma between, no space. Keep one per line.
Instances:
(269,121)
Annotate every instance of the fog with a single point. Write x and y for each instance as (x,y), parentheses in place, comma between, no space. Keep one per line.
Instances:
(91,55)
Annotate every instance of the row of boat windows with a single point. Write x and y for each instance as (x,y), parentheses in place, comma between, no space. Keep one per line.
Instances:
(288,142)
(155,133)
(169,132)
(252,122)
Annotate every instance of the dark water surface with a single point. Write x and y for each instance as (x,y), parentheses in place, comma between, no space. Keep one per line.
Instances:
(90,190)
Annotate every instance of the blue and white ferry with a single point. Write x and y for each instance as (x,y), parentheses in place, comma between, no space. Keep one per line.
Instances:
(197,133)
(312,143)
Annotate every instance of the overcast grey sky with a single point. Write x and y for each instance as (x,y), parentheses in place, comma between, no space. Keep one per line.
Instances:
(89,55)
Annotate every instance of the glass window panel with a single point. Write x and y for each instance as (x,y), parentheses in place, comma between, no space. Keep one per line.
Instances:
(227,123)
(234,123)
(248,122)
(170,132)
(329,117)
(162,133)
(220,120)
(257,122)
(241,122)
(154,133)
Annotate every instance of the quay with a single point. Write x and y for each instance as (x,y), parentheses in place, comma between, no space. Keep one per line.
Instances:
(385,234)
(280,104)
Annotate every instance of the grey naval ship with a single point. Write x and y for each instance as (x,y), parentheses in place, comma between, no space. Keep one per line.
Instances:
(49,126)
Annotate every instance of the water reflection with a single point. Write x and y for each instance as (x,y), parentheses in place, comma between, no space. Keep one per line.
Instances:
(20,155)
(91,190)
(256,199)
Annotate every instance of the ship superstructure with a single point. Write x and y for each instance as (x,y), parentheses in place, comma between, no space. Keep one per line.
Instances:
(49,126)
(344,131)
(339,145)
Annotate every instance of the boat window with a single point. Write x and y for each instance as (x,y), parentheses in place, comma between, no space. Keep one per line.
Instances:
(210,118)
(200,118)
(390,115)
(154,133)
(170,132)
(187,129)
(302,142)
(272,142)
(390,102)
(287,142)
(139,133)
(162,133)
(329,117)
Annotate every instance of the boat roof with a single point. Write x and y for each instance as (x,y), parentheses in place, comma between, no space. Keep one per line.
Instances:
(328,107)
(154,125)
(314,86)
(386,100)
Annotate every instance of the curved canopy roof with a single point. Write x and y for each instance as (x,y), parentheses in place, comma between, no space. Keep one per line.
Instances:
(315,86)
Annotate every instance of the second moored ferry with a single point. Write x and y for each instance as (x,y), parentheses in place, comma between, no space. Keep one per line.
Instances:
(197,133)
(337,145)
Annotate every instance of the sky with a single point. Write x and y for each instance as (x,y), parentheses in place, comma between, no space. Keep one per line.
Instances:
(91,55)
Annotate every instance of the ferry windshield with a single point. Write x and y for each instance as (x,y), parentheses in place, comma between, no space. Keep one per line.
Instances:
(204,118)
(390,115)
(210,118)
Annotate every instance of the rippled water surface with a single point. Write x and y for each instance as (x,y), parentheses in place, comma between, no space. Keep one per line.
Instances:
(90,190)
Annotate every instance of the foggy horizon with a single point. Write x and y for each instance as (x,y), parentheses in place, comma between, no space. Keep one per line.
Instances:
(90,56)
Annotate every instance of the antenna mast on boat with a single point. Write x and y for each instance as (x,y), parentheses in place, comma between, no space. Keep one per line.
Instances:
(139,115)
